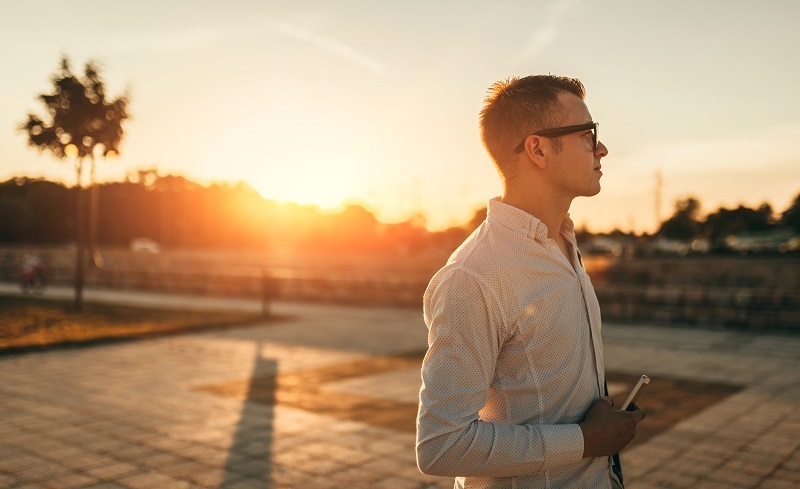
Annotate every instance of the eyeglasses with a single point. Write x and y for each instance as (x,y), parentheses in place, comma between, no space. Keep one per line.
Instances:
(560,131)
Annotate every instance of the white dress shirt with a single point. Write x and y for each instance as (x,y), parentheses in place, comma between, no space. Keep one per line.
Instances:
(514,361)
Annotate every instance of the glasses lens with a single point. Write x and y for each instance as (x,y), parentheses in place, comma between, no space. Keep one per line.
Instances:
(594,136)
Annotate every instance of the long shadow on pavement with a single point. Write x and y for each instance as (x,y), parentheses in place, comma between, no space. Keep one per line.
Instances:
(249,454)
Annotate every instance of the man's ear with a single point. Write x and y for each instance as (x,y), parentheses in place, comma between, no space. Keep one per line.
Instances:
(535,151)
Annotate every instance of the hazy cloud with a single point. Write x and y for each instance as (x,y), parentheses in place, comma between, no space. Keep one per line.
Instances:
(549,32)
(192,39)
(199,38)
(774,147)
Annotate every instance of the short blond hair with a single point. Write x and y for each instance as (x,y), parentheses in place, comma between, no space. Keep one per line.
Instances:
(516,107)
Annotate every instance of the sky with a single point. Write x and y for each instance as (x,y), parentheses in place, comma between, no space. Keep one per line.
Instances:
(376,102)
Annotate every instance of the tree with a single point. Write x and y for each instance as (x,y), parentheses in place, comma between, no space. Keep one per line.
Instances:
(683,225)
(80,122)
(728,222)
(476,220)
(791,216)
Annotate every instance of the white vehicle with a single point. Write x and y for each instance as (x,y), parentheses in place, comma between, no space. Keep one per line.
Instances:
(145,245)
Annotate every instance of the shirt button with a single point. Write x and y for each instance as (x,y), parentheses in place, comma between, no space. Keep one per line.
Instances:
(552,247)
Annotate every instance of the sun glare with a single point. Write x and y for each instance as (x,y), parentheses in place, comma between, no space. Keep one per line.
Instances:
(303,159)
(323,189)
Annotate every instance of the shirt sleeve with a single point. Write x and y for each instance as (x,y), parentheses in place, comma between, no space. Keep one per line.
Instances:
(464,341)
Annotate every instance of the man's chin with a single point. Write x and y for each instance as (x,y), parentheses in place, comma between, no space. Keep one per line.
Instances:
(592,192)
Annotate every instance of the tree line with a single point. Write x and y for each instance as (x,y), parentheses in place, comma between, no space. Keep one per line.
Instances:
(179,213)
(687,224)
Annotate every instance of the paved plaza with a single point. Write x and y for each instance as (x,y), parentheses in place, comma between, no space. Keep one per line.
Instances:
(325,397)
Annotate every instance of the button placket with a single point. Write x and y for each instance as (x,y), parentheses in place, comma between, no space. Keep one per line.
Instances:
(592,334)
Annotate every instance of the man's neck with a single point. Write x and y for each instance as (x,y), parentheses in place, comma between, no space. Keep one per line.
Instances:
(549,210)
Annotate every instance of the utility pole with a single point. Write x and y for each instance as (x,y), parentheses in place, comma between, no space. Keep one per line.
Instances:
(659,184)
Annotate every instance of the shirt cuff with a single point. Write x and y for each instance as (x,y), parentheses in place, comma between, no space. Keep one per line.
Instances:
(563,445)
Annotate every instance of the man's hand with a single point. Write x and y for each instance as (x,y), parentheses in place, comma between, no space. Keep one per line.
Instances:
(606,431)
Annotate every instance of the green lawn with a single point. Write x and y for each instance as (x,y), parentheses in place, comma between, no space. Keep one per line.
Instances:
(32,322)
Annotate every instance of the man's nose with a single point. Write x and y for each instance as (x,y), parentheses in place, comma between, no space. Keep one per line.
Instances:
(602,149)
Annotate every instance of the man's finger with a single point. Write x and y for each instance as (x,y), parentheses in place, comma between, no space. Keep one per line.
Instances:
(638,413)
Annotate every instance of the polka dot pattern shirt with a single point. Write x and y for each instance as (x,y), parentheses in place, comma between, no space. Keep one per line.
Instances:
(514,361)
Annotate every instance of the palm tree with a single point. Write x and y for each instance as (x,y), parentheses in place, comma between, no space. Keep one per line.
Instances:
(80,122)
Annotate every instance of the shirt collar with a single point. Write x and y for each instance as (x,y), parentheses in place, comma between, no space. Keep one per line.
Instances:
(521,222)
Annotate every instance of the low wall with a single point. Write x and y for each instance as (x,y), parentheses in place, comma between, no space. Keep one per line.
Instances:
(741,292)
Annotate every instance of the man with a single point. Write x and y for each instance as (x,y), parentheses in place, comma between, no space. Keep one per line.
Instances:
(513,385)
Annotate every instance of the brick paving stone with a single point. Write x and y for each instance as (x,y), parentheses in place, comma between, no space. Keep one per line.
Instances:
(407,457)
(390,466)
(113,471)
(7,480)
(8,451)
(150,480)
(162,460)
(49,447)
(19,460)
(18,438)
(351,456)
(105,445)
(359,476)
(694,466)
(187,469)
(42,471)
(250,468)
(778,484)
(735,478)
(254,448)
(320,467)
(666,480)
(213,477)
(792,462)
(292,457)
(88,460)
(203,453)
(329,482)
(787,475)
(710,484)
(644,458)
(710,451)
(165,444)
(283,442)
(755,464)
(134,453)
(773,444)
(391,446)
(71,481)
(430,480)
(66,433)
(261,484)
(396,483)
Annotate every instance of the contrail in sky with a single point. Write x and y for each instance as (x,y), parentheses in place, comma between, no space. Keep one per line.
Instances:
(202,37)
(333,46)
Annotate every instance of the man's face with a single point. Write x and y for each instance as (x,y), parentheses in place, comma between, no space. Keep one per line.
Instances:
(576,167)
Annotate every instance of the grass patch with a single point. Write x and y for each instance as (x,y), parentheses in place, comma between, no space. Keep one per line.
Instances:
(35,323)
